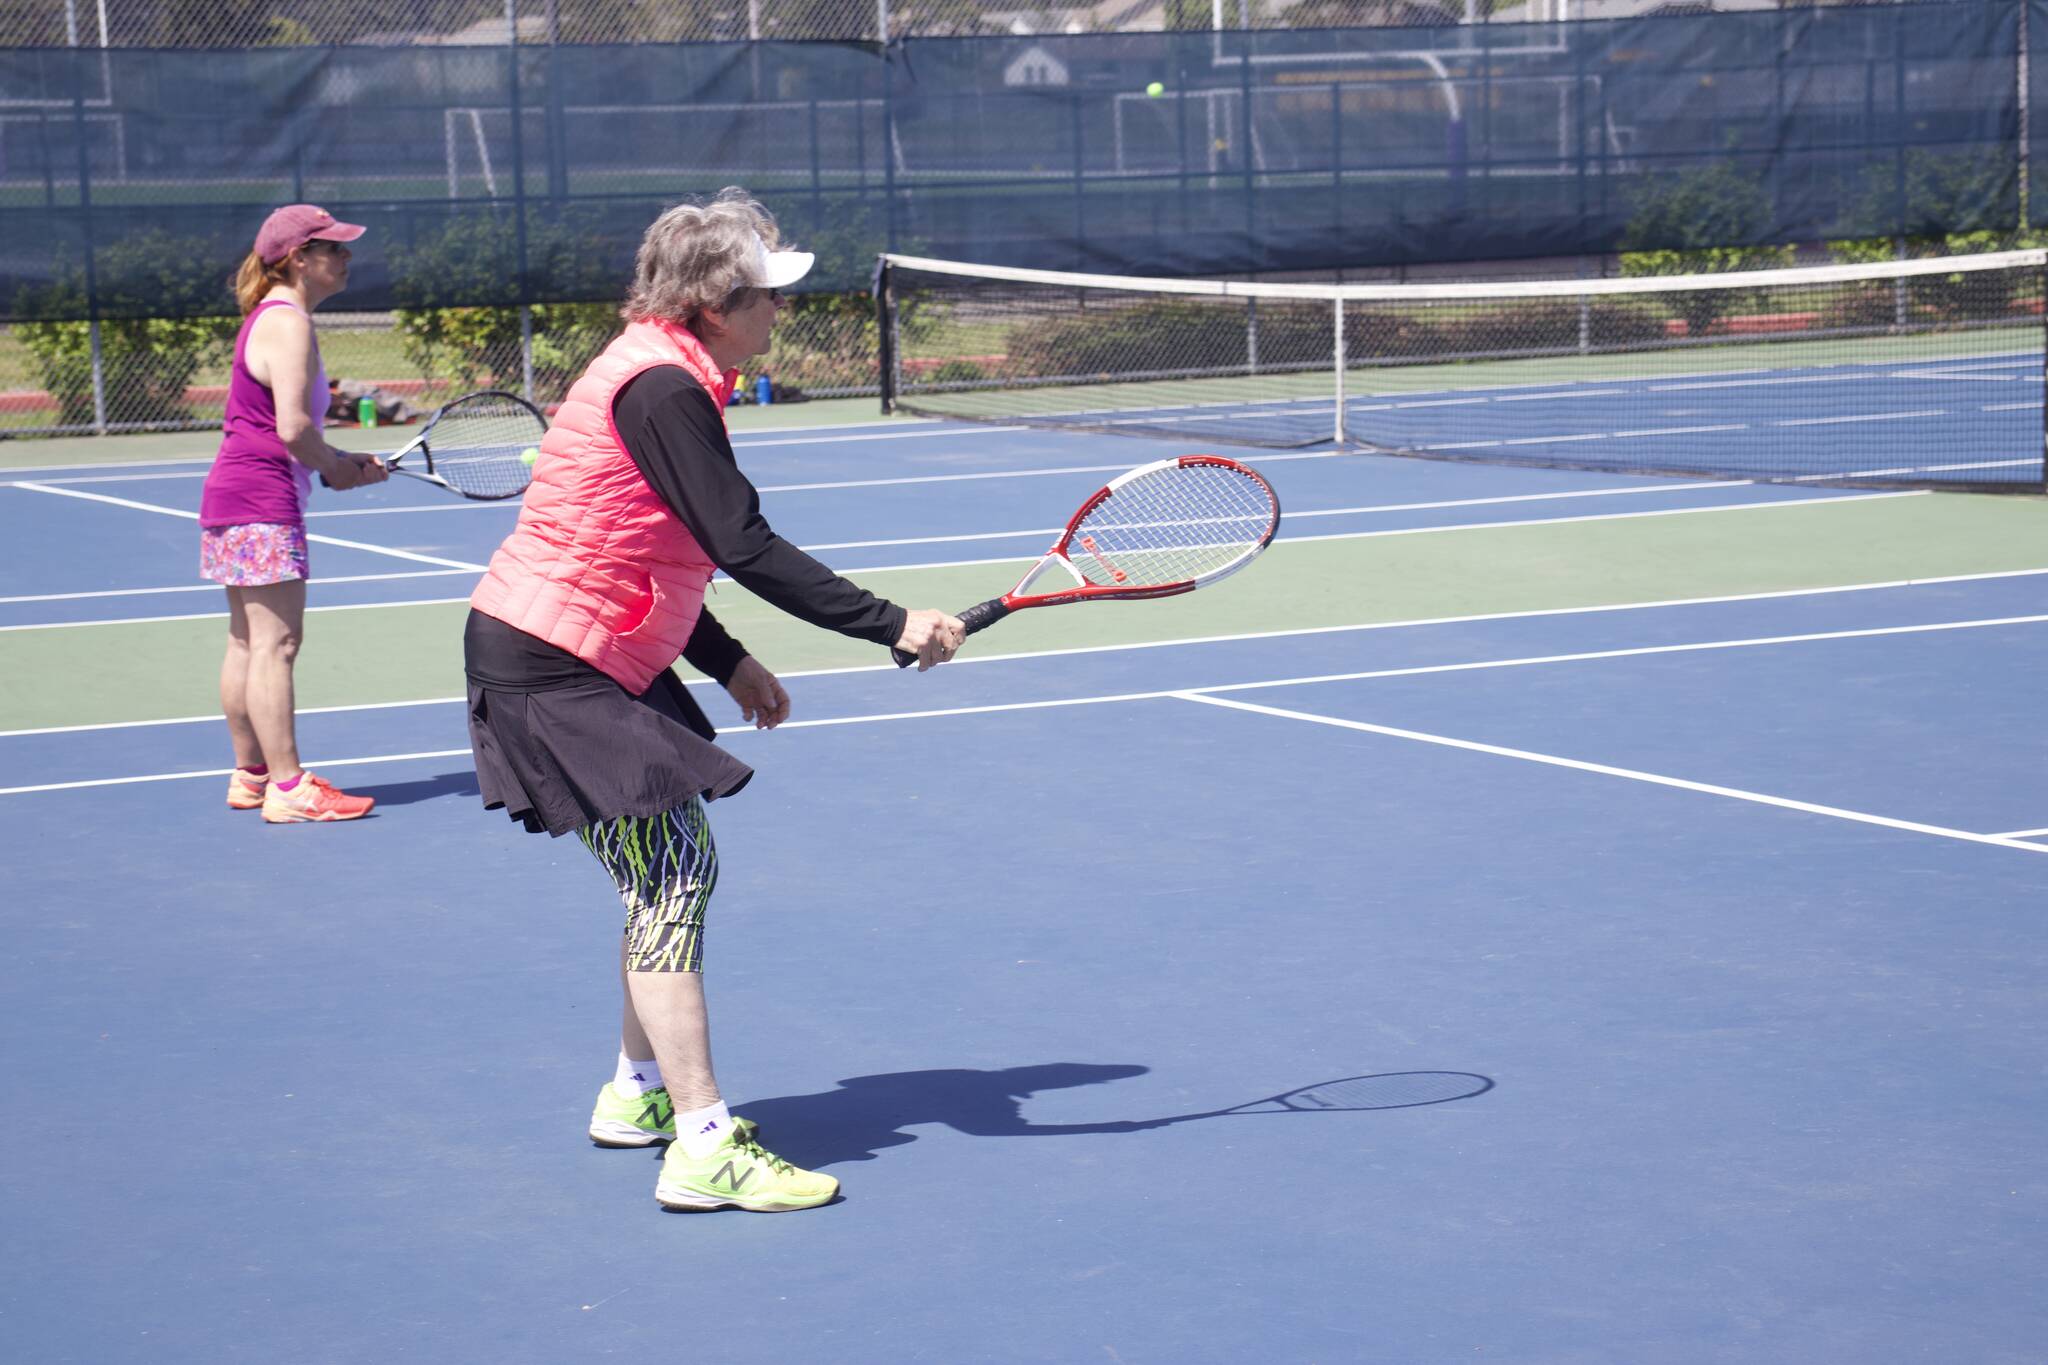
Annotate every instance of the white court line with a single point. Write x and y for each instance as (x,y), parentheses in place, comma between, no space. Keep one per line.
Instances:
(2023,833)
(1424,403)
(223,772)
(1753,383)
(222,616)
(107,464)
(1608,770)
(1546,440)
(1922,469)
(1775,505)
(1952,376)
(1416,670)
(118,478)
(2004,362)
(194,516)
(215,587)
(876,436)
(1563,393)
(1860,417)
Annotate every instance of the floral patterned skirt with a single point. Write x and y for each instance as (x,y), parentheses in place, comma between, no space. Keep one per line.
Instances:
(253,555)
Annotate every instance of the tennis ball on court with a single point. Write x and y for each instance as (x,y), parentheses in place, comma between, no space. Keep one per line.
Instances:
(529,455)
(1155,90)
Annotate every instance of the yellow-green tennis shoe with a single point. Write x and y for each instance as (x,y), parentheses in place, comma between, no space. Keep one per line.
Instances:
(632,1120)
(740,1174)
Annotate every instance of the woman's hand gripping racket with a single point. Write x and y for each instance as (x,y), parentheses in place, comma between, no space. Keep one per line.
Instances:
(1161,530)
(481,446)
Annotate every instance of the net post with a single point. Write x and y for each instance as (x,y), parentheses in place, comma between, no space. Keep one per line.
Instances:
(885,333)
(1338,305)
(92,284)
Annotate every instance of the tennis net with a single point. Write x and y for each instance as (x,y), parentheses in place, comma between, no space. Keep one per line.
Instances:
(1918,372)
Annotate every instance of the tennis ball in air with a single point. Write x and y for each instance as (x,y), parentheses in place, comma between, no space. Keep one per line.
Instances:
(529,455)
(1155,90)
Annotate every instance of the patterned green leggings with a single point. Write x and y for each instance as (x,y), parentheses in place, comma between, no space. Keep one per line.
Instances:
(665,867)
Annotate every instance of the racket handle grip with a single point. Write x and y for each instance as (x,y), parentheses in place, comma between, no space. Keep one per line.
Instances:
(980,616)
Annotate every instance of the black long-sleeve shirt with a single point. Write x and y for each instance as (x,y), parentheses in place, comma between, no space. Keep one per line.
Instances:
(674,434)
(672,430)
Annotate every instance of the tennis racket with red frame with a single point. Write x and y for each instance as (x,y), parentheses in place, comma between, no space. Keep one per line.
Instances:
(1161,530)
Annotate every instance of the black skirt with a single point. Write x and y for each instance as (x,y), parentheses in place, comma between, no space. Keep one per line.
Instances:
(587,750)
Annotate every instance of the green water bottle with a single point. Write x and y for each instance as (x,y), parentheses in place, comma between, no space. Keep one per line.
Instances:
(366,412)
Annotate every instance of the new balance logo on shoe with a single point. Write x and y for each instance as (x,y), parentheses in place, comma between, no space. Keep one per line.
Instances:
(734,1180)
(740,1174)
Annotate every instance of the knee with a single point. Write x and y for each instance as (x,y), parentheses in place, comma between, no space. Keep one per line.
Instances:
(283,646)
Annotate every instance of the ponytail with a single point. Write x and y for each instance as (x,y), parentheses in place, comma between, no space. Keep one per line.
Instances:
(255,279)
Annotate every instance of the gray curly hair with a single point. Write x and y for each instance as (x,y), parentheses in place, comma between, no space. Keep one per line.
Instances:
(699,256)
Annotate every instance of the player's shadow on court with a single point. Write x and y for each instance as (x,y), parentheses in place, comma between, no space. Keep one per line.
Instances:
(406,793)
(867,1114)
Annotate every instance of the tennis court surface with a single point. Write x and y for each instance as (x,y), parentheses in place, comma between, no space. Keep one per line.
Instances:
(1666,854)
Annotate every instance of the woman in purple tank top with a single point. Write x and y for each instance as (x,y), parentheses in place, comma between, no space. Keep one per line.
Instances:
(252,514)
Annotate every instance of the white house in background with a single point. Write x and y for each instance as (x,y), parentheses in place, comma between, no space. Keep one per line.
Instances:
(1035,66)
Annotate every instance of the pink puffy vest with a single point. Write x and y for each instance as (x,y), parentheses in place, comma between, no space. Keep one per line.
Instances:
(598,564)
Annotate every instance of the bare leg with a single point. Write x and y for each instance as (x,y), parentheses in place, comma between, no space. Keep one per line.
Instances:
(632,1038)
(667,1010)
(234,685)
(276,615)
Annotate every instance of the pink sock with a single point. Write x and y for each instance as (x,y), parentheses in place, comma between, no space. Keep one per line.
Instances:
(289,782)
(257,769)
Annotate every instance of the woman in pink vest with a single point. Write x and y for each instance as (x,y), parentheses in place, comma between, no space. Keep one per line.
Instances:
(252,514)
(578,723)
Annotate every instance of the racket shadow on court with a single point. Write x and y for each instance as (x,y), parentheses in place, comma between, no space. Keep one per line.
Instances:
(867,1114)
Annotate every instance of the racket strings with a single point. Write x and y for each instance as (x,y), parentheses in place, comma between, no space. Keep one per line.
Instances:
(1173,525)
(478,446)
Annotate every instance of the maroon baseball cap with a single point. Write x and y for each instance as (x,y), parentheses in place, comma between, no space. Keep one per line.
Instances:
(294,225)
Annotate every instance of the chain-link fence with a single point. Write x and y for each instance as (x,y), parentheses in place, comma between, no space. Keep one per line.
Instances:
(129,373)
(262,23)
(166,375)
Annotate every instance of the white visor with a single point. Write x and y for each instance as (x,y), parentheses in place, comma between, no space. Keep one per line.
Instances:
(780,269)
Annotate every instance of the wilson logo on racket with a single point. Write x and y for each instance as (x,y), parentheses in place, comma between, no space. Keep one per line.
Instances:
(1161,530)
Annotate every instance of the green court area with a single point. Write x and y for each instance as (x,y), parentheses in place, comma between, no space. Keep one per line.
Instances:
(96,674)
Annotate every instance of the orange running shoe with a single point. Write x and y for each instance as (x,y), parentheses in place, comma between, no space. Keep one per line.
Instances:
(245,789)
(313,799)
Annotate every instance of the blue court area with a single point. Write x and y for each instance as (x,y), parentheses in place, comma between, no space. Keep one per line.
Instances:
(1965,419)
(1685,931)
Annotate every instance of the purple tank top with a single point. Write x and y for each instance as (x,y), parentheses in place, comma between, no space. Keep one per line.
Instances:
(254,478)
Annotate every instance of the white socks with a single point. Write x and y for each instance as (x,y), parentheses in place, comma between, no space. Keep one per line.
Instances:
(636,1078)
(702,1131)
